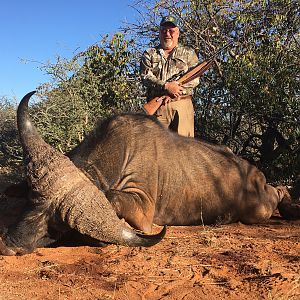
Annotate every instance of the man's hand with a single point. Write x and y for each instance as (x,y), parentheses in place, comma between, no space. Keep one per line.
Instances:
(173,88)
(164,99)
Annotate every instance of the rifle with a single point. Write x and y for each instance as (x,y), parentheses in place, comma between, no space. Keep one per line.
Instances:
(182,78)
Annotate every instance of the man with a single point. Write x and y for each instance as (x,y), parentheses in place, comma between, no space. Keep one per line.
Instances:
(160,64)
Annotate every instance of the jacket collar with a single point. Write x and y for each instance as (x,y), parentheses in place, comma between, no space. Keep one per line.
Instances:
(162,53)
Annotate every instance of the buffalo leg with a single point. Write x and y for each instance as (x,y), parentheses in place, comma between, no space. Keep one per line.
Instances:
(136,209)
(287,209)
(263,205)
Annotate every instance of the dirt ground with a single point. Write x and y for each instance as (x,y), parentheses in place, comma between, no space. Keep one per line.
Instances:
(201,262)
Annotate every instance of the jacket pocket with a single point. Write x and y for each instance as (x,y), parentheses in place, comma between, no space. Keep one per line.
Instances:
(181,64)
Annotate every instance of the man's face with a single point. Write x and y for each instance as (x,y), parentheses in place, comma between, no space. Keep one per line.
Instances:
(168,35)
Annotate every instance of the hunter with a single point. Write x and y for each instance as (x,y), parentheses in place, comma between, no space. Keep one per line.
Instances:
(158,68)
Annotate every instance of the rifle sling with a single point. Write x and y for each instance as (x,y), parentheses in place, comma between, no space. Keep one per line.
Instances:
(192,72)
(197,74)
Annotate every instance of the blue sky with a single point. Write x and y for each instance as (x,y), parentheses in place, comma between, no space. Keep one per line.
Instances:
(39,30)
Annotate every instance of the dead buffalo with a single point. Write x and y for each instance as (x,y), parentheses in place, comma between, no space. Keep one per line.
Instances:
(61,199)
(152,175)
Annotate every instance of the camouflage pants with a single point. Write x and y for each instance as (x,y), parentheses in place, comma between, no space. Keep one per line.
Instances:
(178,116)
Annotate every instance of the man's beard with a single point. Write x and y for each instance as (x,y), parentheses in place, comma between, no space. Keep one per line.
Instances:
(167,44)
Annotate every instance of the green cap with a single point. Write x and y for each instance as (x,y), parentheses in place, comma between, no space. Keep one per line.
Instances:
(169,19)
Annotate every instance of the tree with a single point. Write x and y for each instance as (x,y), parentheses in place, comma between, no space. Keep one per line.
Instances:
(250,99)
(10,148)
(93,84)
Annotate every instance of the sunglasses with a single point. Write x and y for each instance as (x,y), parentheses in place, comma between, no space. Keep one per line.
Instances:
(172,31)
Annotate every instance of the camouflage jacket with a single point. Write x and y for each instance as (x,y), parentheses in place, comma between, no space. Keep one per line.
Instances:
(155,69)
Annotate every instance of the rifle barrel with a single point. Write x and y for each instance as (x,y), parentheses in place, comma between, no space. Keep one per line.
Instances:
(220,50)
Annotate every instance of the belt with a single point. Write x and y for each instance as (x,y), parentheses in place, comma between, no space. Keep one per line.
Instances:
(184,97)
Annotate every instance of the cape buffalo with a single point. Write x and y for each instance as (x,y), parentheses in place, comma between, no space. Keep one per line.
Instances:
(61,198)
(152,175)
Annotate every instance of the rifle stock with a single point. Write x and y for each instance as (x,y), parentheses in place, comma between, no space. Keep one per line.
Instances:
(152,106)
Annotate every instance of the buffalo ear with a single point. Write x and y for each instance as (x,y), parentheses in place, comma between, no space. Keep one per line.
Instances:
(18,190)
